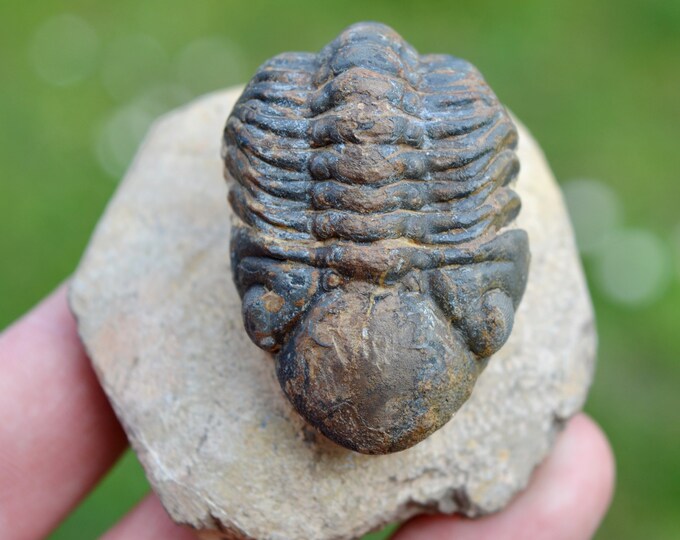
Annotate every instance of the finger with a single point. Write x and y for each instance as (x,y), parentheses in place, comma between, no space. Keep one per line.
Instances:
(149,521)
(566,499)
(58,434)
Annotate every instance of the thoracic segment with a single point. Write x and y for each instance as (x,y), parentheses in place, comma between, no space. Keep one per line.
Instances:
(367,141)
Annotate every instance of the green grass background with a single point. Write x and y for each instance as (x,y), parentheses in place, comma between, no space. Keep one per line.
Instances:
(598,83)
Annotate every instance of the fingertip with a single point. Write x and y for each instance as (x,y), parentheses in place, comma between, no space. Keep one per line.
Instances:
(595,443)
(58,432)
(566,499)
(584,460)
(148,521)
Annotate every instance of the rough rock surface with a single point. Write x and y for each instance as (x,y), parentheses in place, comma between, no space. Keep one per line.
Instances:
(220,443)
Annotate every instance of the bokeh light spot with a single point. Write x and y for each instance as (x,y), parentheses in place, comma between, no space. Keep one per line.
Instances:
(633,267)
(64,50)
(120,134)
(118,138)
(161,98)
(209,64)
(132,64)
(595,211)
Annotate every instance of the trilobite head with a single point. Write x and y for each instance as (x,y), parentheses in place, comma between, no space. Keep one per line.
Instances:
(372,239)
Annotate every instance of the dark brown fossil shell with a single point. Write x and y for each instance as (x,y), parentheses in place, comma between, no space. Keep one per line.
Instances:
(370,244)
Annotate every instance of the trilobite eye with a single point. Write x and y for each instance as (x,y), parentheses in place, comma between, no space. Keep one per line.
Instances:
(260,309)
(488,322)
(276,295)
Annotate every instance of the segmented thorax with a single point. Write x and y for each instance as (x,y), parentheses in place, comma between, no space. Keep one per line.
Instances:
(371,180)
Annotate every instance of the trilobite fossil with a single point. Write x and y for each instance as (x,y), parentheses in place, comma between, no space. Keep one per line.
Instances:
(372,241)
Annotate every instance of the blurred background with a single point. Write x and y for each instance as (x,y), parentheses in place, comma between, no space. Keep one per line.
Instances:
(598,83)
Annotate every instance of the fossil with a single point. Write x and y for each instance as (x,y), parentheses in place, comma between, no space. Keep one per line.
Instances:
(373,243)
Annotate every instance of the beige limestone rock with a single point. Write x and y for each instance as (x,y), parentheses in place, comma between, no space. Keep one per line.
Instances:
(202,407)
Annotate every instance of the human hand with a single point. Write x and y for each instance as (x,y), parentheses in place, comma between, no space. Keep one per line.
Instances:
(59,436)
(566,499)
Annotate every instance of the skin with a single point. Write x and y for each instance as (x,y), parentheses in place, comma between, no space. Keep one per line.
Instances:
(59,436)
